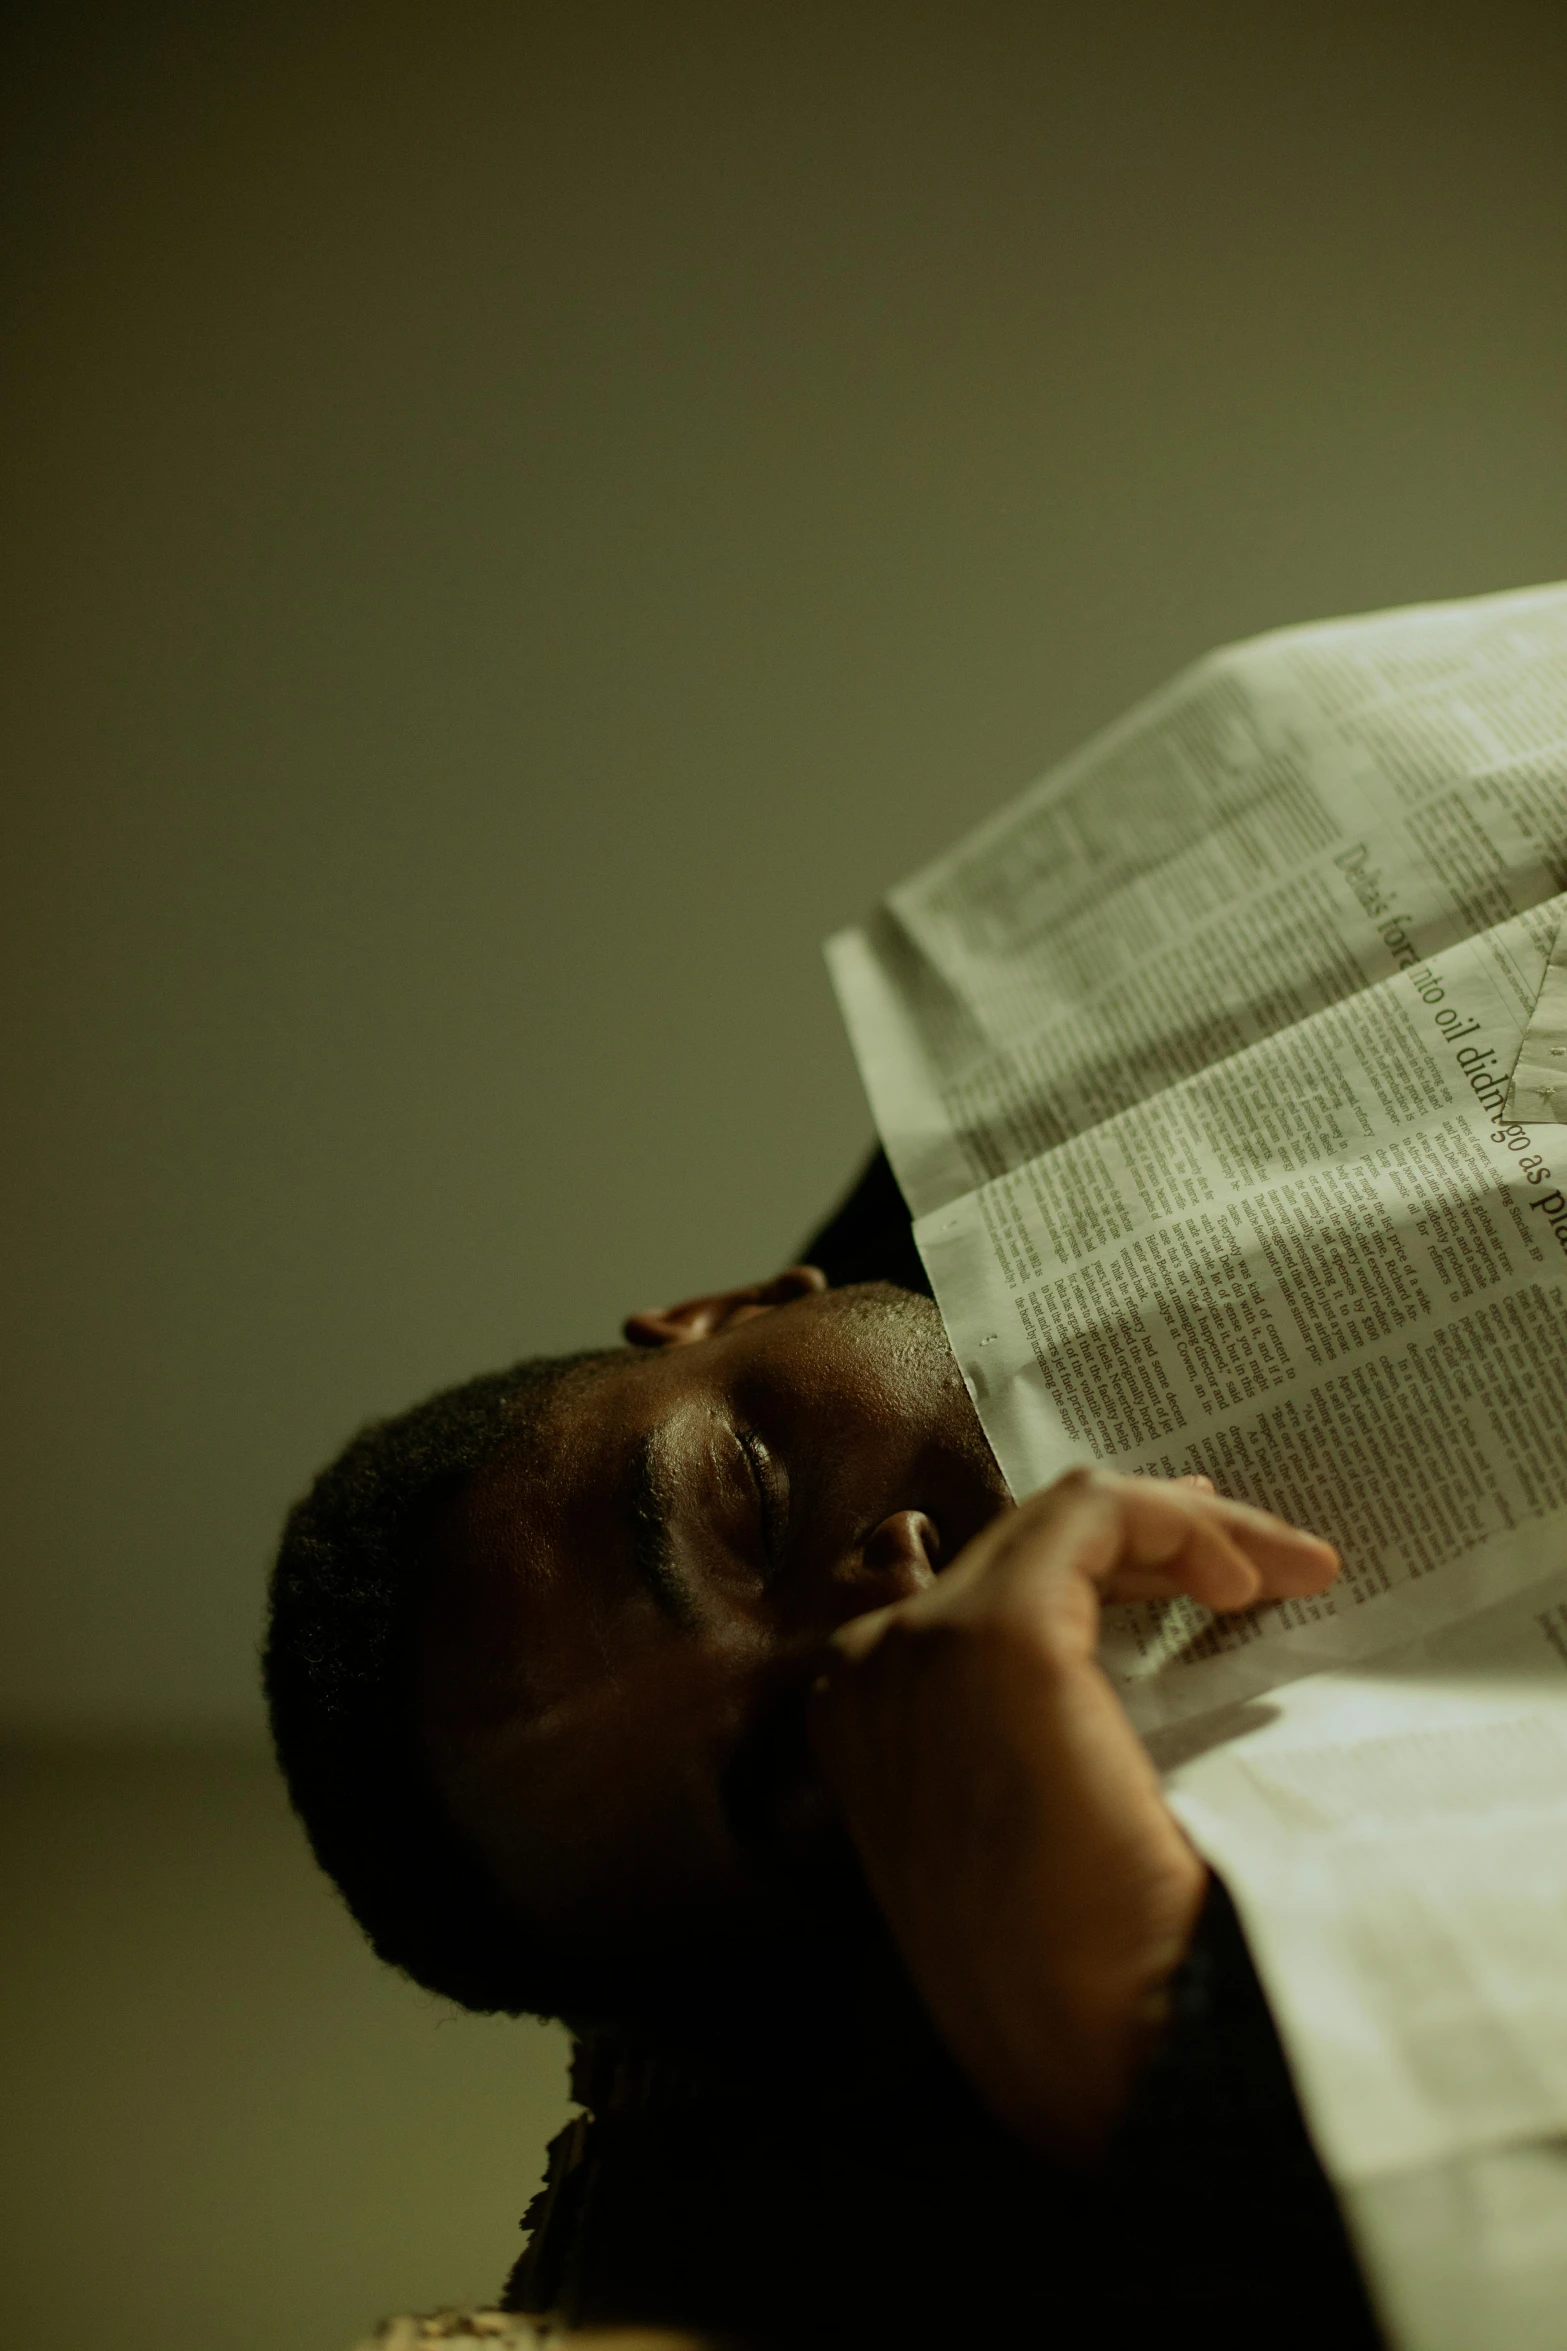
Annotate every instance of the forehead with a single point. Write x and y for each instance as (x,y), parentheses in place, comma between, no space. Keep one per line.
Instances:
(546,1531)
(537,1567)
(555,1568)
(568,1727)
(518,1548)
(580,1736)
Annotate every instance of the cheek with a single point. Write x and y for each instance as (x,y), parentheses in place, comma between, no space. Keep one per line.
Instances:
(620,1801)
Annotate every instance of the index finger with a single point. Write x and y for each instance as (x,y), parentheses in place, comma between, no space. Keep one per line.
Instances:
(1229,1554)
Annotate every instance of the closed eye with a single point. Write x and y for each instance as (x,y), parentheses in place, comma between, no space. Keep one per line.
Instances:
(771,1501)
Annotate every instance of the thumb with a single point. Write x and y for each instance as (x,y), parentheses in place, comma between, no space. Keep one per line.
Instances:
(859,1636)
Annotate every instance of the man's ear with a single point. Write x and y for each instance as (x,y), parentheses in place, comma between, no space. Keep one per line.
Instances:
(700,1318)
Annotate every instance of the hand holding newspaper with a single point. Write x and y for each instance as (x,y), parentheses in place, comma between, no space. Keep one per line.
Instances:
(1217,1072)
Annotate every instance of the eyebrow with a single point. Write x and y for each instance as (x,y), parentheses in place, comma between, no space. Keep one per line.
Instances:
(650,1494)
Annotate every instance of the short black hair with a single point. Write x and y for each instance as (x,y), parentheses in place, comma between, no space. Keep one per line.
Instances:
(339,1666)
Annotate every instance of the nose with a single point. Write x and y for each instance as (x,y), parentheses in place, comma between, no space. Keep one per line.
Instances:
(901,1555)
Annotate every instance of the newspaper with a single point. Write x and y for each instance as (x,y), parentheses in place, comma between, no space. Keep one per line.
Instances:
(1395,1835)
(1221,1074)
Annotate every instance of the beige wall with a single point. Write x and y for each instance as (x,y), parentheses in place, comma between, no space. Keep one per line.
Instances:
(515,520)
(518,518)
(226,2128)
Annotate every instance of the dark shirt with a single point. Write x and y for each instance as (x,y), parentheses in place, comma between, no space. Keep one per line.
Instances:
(875,2202)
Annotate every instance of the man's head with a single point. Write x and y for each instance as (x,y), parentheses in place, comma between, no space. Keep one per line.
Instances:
(547,1641)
